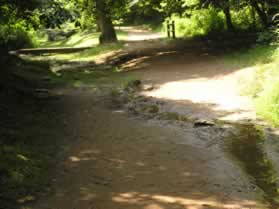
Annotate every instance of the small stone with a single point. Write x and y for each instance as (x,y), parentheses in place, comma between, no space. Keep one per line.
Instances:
(203,123)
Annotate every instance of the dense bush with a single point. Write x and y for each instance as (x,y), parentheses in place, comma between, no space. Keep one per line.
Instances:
(271,35)
(87,21)
(201,22)
(15,36)
(243,19)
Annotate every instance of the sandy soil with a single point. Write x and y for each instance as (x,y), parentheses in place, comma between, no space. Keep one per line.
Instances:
(123,162)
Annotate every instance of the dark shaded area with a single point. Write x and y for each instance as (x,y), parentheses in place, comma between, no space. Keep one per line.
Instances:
(247,148)
(32,131)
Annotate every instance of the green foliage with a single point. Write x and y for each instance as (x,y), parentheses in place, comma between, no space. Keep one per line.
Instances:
(258,55)
(243,19)
(15,37)
(105,80)
(266,36)
(264,85)
(144,12)
(87,20)
(54,13)
(85,38)
(268,102)
(201,22)
(16,22)
(270,35)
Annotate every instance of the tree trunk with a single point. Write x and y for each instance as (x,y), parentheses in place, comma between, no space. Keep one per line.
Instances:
(260,12)
(108,33)
(229,22)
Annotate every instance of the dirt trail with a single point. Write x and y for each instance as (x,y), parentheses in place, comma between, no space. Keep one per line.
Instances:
(197,84)
(140,34)
(120,162)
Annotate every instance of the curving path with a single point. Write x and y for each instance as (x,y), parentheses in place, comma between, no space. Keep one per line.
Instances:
(120,162)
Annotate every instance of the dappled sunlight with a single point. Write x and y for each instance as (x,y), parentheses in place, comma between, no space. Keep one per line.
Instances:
(199,91)
(79,39)
(86,38)
(222,92)
(135,63)
(158,201)
(139,36)
(84,42)
(120,163)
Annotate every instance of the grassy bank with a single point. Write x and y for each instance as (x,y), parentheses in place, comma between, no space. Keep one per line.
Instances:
(86,38)
(263,86)
(32,134)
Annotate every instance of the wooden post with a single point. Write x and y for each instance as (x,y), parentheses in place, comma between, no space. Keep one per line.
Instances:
(173,30)
(168,29)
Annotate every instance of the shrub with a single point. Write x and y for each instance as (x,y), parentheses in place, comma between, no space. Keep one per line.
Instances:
(243,19)
(201,22)
(264,86)
(15,36)
(268,103)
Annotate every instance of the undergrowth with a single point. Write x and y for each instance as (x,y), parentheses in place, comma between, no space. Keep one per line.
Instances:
(85,38)
(263,86)
(89,54)
(31,136)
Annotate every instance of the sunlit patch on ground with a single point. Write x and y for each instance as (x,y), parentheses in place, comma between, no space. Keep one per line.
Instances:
(221,91)
(158,201)
(138,34)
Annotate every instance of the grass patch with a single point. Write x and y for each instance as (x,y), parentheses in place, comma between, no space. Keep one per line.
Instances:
(95,79)
(200,23)
(258,55)
(79,39)
(263,86)
(89,54)
(70,70)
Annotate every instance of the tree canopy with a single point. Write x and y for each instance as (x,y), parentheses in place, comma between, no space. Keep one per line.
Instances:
(102,15)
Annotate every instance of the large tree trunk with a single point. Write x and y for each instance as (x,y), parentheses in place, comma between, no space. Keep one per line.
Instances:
(108,33)
(260,12)
(229,22)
